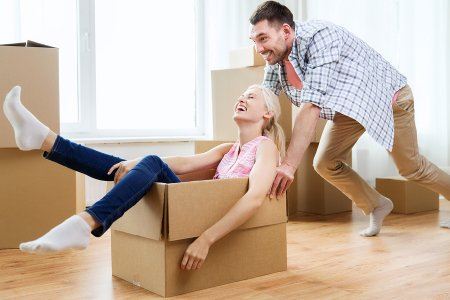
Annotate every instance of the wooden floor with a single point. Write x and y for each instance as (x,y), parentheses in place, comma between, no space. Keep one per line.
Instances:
(327,259)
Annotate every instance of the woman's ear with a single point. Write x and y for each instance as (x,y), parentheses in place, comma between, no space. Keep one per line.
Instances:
(268,115)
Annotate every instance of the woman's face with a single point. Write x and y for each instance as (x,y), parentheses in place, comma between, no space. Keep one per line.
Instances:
(250,106)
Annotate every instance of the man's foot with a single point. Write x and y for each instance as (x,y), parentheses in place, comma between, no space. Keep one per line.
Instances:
(30,133)
(377,216)
(73,233)
(445,224)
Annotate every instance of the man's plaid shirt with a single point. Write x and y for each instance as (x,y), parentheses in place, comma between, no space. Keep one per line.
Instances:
(340,73)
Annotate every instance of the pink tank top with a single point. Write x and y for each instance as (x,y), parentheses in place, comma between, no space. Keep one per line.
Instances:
(237,163)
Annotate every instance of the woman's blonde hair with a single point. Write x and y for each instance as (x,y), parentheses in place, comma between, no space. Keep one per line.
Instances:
(272,128)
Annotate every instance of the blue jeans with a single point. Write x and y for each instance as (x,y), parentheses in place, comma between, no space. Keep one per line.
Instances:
(126,193)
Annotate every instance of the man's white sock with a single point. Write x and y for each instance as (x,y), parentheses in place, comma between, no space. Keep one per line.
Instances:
(445,224)
(30,133)
(73,233)
(377,216)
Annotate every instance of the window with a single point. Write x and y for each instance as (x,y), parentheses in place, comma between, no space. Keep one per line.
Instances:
(127,67)
(145,64)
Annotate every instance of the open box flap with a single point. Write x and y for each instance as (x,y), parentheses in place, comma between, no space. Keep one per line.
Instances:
(28,44)
(195,206)
(146,217)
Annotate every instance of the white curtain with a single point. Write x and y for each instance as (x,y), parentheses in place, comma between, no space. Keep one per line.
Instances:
(414,35)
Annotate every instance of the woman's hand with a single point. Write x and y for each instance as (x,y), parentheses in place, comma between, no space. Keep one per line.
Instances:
(196,254)
(123,168)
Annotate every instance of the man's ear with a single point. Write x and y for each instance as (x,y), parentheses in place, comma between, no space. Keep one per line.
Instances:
(286,29)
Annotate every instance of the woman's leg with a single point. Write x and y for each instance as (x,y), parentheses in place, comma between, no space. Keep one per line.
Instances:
(82,159)
(74,232)
(31,134)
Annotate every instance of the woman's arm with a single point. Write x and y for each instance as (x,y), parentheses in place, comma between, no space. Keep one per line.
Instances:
(260,181)
(178,164)
(203,161)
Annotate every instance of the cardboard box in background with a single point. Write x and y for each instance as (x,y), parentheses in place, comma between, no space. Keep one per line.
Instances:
(149,241)
(311,193)
(34,67)
(206,145)
(36,195)
(226,86)
(246,57)
(408,197)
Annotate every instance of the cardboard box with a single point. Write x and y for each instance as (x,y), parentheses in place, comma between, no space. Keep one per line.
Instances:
(34,67)
(311,193)
(246,57)
(226,86)
(36,195)
(408,197)
(149,241)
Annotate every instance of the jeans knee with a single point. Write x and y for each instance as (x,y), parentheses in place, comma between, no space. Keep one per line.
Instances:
(153,160)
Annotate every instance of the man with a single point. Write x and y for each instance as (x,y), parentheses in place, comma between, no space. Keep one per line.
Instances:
(334,75)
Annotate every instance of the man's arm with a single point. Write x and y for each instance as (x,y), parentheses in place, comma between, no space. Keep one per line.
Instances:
(302,134)
(322,56)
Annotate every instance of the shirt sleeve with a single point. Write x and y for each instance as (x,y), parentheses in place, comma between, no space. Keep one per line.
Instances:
(271,79)
(322,57)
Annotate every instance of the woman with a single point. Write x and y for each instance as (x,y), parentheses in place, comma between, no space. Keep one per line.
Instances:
(256,154)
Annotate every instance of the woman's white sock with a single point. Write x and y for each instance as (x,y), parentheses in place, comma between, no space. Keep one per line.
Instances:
(30,133)
(377,216)
(73,233)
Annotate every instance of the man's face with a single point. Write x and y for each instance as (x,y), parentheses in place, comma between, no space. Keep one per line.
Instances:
(270,41)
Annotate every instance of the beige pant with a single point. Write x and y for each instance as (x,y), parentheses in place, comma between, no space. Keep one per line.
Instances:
(341,134)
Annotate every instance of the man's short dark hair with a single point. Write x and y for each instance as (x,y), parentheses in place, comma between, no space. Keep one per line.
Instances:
(273,11)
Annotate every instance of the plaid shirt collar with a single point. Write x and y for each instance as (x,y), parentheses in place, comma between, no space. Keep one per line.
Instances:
(298,51)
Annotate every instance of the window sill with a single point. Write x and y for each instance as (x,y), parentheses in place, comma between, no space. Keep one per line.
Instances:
(125,140)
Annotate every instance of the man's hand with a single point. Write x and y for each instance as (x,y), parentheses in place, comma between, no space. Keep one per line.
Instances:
(123,168)
(285,176)
(196,254)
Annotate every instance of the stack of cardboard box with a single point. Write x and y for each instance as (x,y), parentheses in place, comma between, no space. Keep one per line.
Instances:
(36,194)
